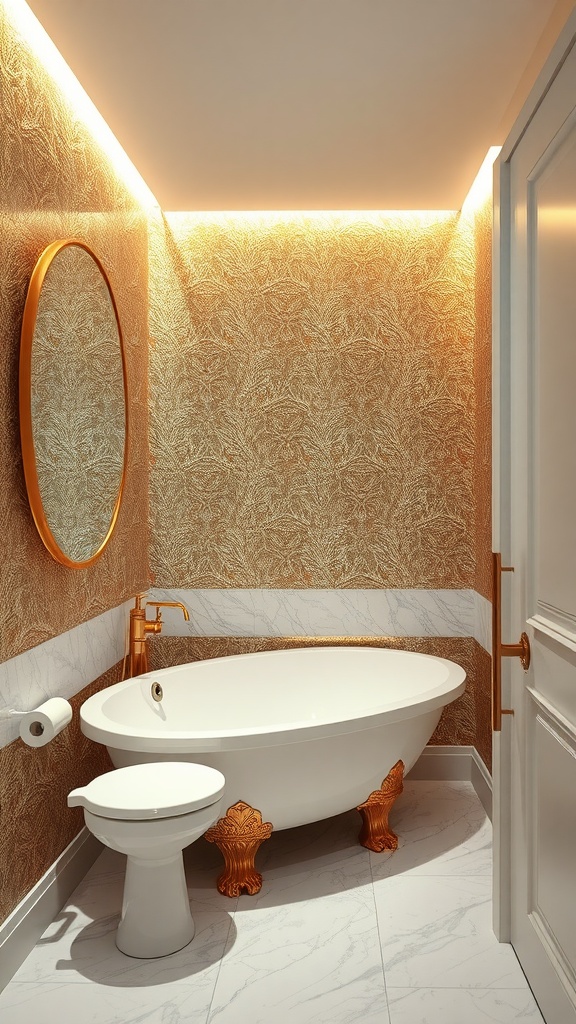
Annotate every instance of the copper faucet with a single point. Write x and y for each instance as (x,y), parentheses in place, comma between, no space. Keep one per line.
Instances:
(140,626)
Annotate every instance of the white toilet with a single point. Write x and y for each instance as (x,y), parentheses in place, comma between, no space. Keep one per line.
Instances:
(151,812)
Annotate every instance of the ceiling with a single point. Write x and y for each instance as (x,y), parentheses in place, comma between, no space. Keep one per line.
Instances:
(305,104)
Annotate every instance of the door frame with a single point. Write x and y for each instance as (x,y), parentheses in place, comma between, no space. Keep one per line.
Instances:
(501,467)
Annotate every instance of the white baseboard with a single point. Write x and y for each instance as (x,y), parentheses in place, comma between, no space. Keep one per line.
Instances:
(482,781)
(459,763)
(21,930)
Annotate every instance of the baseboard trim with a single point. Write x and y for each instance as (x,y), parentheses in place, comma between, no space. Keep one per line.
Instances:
(459,763)
(21,930)
(482,781)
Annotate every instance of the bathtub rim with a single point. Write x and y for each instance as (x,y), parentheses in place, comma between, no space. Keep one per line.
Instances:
(96,726)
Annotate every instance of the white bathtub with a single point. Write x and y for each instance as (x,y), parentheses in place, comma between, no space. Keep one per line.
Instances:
(299,734)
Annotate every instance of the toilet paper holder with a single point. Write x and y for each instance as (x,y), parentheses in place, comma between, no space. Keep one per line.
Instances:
(42,724)
(36,728)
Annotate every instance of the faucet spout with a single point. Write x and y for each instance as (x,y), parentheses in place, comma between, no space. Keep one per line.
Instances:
(169,604)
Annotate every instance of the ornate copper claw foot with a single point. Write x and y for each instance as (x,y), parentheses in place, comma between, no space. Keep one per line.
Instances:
(375,833)
(238,836)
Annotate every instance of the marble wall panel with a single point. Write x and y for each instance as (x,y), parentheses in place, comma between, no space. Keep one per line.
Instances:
(60,667)
(349,612)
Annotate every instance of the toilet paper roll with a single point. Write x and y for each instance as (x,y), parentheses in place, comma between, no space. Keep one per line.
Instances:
(38,727)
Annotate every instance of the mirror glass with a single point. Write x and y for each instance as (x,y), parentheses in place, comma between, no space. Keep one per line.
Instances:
(73,403)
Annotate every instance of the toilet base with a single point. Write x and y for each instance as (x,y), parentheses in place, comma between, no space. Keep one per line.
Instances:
(134,810)
(156,918)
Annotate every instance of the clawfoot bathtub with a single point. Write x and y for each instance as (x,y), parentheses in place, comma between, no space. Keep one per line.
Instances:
(299,735)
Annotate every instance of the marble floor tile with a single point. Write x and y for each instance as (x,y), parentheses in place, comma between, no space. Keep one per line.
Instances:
(442,830)
(327,1000)
(203,863)
(332,926)
(89,955)
(437,931)
(55,1003)
(462,1006)
(313,861)
(316,961)
(95,898)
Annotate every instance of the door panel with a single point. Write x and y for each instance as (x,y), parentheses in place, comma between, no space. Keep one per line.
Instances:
(541,735)
(552,245)
(553,841)
(555,674)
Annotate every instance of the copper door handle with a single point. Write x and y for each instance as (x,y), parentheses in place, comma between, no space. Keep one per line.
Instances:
(499,650)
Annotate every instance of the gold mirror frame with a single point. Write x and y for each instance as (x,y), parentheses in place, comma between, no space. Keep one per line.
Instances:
(26,406)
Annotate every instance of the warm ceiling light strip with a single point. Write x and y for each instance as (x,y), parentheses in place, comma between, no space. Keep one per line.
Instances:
(481,188)
(35,38)
(327,219)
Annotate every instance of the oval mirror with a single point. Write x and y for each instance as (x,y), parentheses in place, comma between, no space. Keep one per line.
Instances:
(73,403)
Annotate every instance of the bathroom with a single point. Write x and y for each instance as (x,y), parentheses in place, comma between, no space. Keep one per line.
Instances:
(318,468)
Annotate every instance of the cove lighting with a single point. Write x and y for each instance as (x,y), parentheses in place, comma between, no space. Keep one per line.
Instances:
(327,219)
(36,39)
(481,188)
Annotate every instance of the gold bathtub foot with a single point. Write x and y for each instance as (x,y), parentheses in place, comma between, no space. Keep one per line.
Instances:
(238,836)
(375,833)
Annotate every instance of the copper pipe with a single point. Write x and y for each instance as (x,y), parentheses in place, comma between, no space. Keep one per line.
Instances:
(499,650)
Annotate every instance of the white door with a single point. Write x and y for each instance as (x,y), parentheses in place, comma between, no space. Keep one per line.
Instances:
(538,537)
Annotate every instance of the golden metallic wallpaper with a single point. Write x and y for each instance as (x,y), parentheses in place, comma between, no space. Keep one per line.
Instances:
(34,785)
(312,401)
(56,183)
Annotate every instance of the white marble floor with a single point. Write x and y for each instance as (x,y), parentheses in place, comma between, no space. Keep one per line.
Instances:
(337,935)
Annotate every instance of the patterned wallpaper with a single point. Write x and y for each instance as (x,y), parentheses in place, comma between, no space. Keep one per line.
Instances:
(34,784)
(313,402)
(56,183)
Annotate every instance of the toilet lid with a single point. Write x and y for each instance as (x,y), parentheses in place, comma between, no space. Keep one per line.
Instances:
(161,789)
